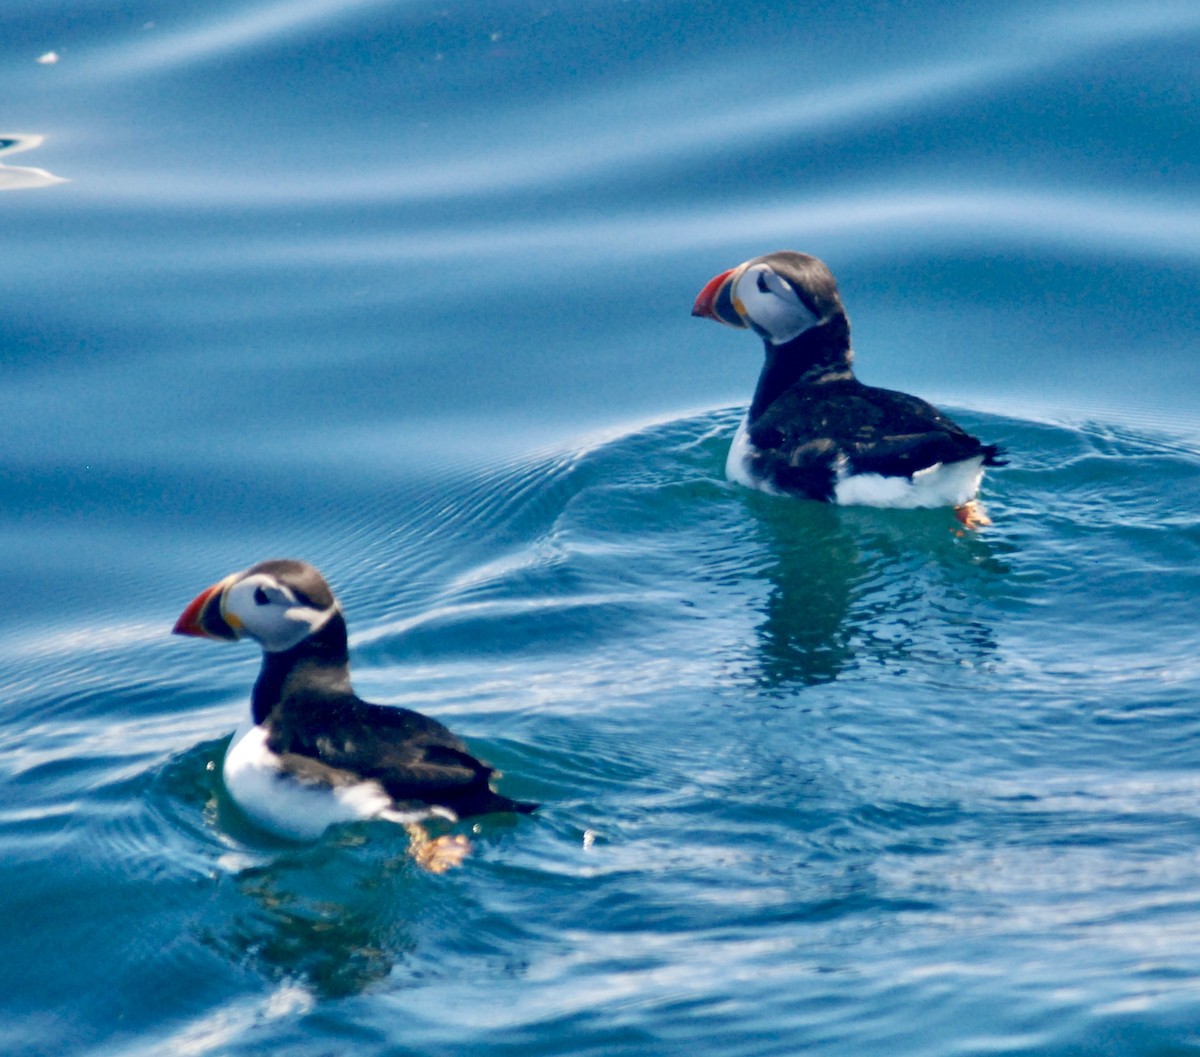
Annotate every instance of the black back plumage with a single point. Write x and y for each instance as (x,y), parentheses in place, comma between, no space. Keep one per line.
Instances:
(808,430)
(324,732)
(810,415)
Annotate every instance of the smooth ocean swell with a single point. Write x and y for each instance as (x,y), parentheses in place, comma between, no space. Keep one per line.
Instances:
(803,767)
(340,281)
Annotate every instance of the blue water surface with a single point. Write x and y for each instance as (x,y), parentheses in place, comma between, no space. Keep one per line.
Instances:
(403,289)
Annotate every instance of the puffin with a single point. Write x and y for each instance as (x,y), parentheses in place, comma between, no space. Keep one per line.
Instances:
(813,429)
(310,753)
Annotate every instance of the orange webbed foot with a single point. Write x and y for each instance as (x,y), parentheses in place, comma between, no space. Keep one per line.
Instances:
(972,515)
(437,854)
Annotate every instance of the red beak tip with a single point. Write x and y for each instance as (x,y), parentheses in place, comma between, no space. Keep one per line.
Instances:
(706,300)
(190,620)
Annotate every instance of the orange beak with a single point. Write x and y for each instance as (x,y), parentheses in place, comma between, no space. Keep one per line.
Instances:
(203,617)
(715,301)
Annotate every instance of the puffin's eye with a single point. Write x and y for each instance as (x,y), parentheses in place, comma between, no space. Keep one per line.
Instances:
(260,597)
(761,283)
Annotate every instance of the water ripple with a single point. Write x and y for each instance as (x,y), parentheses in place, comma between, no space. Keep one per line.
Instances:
(592,138)
(874,222)
(229,33)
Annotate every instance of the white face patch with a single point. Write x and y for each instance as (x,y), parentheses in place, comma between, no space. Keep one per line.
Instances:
(269,612)
(771,305)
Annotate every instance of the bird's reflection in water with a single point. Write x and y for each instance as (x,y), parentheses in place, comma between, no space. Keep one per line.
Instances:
(308,927)
(813,565)
(336,916)
(351,912)
(850,586)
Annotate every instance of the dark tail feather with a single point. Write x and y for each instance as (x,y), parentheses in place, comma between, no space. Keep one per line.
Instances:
(486,801)
(994,455)
(521,807)
(493,801)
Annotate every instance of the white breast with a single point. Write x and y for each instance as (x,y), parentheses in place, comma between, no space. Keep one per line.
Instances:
(739,459)
(292,808)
